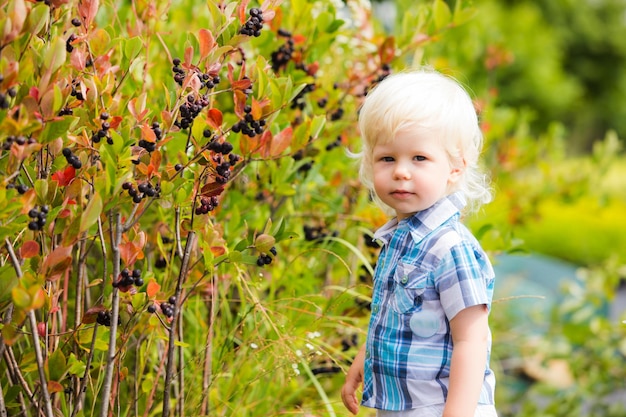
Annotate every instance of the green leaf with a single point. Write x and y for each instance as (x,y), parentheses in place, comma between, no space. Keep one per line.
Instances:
(441,14)
(56,365)
(21,298)
(55,56)
(57,128)
(37,18)
(8,282)
(91,213)
(132,47)
(75,366)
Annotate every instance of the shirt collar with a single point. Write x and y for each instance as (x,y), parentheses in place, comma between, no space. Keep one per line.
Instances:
(425,221)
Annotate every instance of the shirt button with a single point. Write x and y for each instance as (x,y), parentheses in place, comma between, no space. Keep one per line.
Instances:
(405,279)
(375,308)
(367,354)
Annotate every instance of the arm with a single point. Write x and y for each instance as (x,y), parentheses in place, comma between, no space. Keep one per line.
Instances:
(353,381)
(470,330)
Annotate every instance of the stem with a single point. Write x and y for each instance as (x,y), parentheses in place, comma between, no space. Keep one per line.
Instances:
(173,328)
(208,358)
(180,404)
(83,382)
(115,307)
(35,336)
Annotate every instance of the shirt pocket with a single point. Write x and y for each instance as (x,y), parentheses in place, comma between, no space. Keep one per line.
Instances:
(409,284)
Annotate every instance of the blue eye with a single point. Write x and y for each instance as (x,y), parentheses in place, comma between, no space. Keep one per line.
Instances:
(387,159)
(419,158)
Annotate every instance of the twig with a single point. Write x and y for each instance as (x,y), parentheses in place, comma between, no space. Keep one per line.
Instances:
(35,336)
(180,404)
(208,358)
(83,382)
(115,307)
(173,328)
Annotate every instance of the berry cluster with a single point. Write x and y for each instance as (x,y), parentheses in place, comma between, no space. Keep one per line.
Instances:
(76,22)
(104,130)
(281,57)
(337,114)
(312,233)
(249,126)
(168,307)
(68,43)
(254,24)
(221,150)
(21,188)
(299,100)
(190,110)
(104,318)
(143,190)
(38,218)
(207,204)
(334,144)
(208,81)
(128,278)
(5,97)
(76,93)
(158,134)
(71,158)
(18,140)
(266,259)
(66,111)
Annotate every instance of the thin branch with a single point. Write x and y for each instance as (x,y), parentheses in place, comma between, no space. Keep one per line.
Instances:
(191,237)
(35,336)
(115,310)
(208,356)
(83,382)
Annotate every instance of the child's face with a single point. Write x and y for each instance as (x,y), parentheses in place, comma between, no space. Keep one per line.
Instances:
(412,171)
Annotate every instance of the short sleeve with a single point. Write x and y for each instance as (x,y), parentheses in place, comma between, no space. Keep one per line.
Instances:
(464,278)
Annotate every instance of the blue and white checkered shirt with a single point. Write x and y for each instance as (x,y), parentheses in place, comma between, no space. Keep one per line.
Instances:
(430,268)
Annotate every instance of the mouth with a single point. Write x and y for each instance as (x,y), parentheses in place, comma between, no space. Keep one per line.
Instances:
(401,193)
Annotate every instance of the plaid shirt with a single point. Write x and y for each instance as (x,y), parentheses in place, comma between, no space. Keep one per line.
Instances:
(429,269)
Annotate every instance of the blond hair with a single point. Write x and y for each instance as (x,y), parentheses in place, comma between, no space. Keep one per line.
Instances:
(425,99)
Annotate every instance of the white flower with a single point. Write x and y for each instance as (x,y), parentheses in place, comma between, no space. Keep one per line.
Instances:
(298,354)
(254,346)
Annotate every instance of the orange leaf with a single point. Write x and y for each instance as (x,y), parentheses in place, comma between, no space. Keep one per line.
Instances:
(29,249)
(152,289)
(57,262)
(65,176)
(115,121)
(207,42)
(188,55)
(387,51)
(281,141)
(214,118)
(218,250)
(147,133)
(54,386)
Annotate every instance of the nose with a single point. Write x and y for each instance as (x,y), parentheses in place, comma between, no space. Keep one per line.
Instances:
(401,172)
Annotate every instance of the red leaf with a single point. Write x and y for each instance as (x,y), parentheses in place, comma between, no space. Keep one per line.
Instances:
(65,176)
(88,10)
(212,189)
(34,93)
(207,42)
(57,262)
(29,249)
(91,315)
(214,118)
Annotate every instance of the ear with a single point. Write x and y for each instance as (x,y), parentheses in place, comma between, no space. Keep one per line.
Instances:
(456,172)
